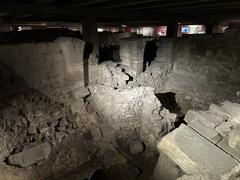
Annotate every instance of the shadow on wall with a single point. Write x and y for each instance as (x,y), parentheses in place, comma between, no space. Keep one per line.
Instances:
(110,53)
(150,53)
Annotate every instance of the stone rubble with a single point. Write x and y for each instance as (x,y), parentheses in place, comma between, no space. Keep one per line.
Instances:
(30,156)
(134,110)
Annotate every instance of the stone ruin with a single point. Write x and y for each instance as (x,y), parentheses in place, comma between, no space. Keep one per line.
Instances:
(73,118)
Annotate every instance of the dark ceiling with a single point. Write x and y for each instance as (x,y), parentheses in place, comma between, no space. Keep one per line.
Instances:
(118,11)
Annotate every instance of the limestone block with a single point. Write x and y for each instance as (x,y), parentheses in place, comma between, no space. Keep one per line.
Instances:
(194,154)
(191,116)
(205,131)
(233,109)
(223,144)
(166,169)
(234,138)
(30,156)
(208,118)
(219,110)
(225,128)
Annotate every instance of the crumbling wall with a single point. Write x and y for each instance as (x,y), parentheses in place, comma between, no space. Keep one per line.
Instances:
(49,67)
(135,110)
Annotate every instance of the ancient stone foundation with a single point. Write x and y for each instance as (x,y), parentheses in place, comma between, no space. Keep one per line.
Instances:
(167,109)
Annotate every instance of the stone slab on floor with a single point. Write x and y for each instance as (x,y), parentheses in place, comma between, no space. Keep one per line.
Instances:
(194,154)
(208,118)
(30,156)
(233,109)
(223,144)
(205,131)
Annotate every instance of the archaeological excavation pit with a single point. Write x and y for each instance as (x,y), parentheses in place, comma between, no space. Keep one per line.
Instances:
(119,90)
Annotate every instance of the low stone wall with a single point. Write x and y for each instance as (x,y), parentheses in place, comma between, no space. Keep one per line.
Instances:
(49,66)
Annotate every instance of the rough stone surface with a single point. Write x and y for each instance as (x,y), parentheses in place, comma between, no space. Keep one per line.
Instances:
(53,68)
(233,174)
(166,169)
(203,157)
(96,133)
(234,138)
(131,110)
(214,54)
(131,54)
(30,156)
(112,157)
(136,147)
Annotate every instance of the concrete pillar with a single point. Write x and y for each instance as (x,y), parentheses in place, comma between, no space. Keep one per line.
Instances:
(209,28)
(90,34)
(172,28)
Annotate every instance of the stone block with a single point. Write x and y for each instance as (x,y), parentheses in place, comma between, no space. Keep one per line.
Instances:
(225,128)
(234,138)
(30,156)
(194,154)
(208,118)
(166,169)
(211,119)
(205,131)
(223,144)
(219,110)
(233,109)
(191,116)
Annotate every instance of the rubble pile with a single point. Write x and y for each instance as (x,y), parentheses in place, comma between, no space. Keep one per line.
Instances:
(116,75)
(31,118)
(135,110)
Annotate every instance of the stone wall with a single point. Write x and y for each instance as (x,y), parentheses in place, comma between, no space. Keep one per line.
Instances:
(199,69)
(132,54)
(47,66)
(206,70)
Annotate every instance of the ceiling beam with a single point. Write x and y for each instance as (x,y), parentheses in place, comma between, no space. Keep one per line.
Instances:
(222,6)
(80,4)
(128,4)
(181,3)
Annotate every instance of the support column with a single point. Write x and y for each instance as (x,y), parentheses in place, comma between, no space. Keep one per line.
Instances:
(209,28)
(90,35)
(172,28)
